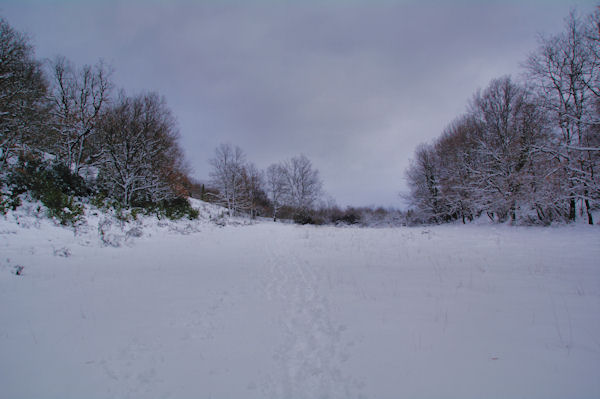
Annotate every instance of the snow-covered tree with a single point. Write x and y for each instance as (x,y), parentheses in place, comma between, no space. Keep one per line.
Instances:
(79,96)
(139,158)
(507,130)
(456,158)
(565,70)
(303,186)
(253,187)
(423,181)
(227,176)
(23,101)
(276,187)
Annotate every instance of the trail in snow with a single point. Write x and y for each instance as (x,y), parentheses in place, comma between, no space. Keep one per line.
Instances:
(313,348)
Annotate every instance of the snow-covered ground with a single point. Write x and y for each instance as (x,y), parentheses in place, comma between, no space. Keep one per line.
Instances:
(191,309)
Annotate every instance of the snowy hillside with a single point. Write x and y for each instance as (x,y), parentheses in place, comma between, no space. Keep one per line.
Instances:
(191,309)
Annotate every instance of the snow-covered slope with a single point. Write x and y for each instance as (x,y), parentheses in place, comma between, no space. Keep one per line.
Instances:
(281,311)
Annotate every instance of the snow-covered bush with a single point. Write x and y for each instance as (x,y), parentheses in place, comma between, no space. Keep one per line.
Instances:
(177,208)
(8,201)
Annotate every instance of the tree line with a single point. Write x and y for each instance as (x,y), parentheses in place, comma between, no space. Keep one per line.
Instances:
(66,132)
(525,152)
(290,189)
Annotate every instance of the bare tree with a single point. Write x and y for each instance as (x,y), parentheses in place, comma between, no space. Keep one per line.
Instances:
(302,182)
(227,176)
(253,183)
(79,96)
(276,187)
(23,102)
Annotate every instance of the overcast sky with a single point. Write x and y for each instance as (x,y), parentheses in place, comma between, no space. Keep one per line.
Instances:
(354,85)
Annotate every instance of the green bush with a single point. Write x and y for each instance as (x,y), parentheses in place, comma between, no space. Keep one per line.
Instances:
(62,207)
(67,182)
(52,184)
(37,177)
(175,209)
(303,218)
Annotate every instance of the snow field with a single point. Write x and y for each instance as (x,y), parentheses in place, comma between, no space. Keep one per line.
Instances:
(282,311)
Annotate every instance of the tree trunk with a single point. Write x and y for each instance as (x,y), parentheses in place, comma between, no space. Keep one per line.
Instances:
(589,212)
(572,210)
